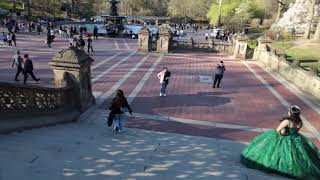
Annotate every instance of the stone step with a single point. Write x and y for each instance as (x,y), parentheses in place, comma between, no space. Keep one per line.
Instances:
(19,124)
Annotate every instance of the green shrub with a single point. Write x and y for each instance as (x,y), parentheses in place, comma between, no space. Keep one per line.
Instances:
(252,44)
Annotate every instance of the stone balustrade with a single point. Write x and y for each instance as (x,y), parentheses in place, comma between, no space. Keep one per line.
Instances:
(189,44)
(308,81)
(15,98)
(24,107)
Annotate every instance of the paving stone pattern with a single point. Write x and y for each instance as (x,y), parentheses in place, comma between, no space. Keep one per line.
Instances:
(204,133)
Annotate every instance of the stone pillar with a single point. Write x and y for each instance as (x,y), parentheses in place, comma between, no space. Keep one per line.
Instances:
(144,42)
(313,70)
(163,43)
(262,46)
(296,63)
(211,44)
(240,48)
(234,41)
(191,42)
(72,67)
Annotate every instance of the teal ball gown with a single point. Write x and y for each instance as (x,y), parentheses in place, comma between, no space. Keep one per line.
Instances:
(290,154)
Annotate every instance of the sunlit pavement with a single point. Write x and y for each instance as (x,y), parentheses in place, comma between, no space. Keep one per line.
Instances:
(194,132)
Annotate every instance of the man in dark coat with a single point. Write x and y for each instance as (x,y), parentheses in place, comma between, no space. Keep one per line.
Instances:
(95,32)
(219,74)
(28,69)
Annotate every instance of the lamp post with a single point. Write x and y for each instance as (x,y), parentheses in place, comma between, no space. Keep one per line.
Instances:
(220,4)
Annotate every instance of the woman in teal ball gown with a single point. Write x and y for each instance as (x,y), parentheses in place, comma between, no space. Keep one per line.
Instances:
(284,150)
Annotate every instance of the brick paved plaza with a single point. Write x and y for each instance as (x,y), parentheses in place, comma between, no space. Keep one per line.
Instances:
(194,132)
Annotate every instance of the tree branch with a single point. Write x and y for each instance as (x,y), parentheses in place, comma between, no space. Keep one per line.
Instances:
(280,2)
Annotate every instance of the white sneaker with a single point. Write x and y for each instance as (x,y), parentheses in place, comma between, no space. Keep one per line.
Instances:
(164,95)
(160,94)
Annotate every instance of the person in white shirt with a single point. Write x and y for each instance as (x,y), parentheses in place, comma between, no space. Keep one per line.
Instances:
(164,76)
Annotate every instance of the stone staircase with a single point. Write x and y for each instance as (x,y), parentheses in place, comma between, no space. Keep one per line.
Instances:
(89,150)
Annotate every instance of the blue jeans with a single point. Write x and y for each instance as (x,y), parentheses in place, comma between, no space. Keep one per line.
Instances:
(119,121)
(163,87)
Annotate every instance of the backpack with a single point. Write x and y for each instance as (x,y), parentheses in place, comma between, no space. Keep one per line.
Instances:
(82,42)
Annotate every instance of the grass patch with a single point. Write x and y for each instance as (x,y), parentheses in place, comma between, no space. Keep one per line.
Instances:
(6,4)
(308,53)
(305,52)
(282,46)
(252,44)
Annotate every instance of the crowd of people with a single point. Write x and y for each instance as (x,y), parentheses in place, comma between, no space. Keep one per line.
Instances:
(8,39)
(222,35)
(283,150)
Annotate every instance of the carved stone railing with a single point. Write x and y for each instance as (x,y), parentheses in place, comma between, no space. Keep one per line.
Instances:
(308,81)
(16,98)
(191,45)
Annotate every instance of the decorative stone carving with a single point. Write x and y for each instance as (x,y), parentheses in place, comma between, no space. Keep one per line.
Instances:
(144,42)
(163,43)
(313,71)
(240,47)
(17,98)
(296,63)
(262,46)
(73,68)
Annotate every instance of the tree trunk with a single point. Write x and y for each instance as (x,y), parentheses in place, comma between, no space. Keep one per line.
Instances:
(311,14)
(280,7)
(317,34)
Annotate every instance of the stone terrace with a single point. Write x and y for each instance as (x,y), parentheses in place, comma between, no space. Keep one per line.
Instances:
(194,132)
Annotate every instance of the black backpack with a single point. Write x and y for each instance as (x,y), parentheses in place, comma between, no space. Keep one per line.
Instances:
(82,42)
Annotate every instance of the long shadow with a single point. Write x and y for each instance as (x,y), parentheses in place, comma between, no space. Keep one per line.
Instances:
(183,100)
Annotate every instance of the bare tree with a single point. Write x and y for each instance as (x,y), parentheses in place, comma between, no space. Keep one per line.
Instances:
(317,34)
(280,7)
(311,14)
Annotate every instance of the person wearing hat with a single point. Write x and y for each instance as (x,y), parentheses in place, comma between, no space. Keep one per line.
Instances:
(284,150)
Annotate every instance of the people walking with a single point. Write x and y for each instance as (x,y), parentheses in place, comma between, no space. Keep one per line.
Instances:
(4,38)
(118,107)
(220,69)
(28,69)
(284,150)
(49,39)
(9,38)
(14,40)
(90,44)
(39,28)
(95,32)
(17,63)
(164,77)
(82,43)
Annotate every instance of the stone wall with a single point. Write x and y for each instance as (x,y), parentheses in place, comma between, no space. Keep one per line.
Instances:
(306,80)
(24,107)
(27,107)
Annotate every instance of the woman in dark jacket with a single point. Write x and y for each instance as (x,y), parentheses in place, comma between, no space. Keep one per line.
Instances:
(119,106)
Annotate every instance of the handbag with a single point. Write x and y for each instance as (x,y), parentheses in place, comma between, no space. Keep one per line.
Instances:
(110,118)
